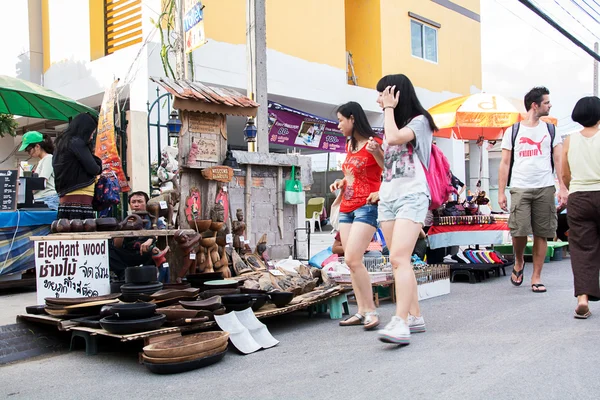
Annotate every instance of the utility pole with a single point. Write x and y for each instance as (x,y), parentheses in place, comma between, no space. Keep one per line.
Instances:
(181,68)
(596,71)
(256,55)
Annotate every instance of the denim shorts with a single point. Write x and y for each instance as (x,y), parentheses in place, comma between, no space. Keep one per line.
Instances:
(366,214)
(413,207)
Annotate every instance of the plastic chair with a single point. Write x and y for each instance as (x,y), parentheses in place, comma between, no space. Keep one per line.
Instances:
(314,209)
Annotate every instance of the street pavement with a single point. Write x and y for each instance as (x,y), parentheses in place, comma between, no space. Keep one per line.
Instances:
(488,340)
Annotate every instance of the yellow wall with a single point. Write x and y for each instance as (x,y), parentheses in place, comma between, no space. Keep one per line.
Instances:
(97,48)
(310,29)
(46,34)
(363,39)
(459,46)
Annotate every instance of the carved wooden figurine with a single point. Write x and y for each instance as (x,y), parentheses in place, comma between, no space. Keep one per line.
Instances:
(239,229)
(188,243)
(163,206)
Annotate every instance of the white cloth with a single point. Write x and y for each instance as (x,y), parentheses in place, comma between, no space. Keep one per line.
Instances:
(403,172)
(44,169)
(532,167)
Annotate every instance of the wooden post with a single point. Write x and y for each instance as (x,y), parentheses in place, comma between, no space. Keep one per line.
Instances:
(248,203)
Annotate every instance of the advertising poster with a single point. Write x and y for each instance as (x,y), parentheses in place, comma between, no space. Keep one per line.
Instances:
(106,145)
(295,128)
(193,25)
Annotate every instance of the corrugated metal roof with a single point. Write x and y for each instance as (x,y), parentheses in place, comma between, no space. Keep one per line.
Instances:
(188,90)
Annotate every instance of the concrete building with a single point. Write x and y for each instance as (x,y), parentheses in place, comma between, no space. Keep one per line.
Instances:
(70,46)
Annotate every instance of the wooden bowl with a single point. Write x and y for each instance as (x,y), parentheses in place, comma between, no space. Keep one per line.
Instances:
(217,226)
(200,225)
(207,353)
(208,242)
(222,241)
(186,345)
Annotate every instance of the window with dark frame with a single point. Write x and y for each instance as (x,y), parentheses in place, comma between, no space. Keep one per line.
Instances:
(423,41)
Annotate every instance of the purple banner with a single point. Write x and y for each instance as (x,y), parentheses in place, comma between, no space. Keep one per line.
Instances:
(291,127)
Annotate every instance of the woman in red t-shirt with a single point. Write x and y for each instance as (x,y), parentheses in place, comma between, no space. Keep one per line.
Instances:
(358,215)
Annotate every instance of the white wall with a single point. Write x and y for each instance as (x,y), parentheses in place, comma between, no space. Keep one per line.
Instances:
(14,32)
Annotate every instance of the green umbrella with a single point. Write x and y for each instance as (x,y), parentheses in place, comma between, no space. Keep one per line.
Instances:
(26,99)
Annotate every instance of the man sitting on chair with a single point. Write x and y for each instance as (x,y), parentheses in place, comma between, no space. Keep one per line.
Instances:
(133,251)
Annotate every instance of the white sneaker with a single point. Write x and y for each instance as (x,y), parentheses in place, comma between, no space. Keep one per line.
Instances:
(396,332)
(416,324)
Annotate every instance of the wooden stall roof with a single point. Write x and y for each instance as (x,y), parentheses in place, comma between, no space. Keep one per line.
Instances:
(198,97)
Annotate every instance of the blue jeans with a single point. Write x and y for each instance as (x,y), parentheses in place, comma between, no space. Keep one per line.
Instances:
(366,214)
(51,201)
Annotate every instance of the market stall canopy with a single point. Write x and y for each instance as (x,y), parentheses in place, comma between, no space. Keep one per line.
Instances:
(23,98)
(198,97)
(481,115)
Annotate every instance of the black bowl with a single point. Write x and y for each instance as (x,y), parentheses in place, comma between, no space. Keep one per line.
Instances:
(259,301)
(237,298)
(252,291)
(135,288)
(238,302)
(175,368)
(197,280)
(281,299)
(141,275)
(133,311)
(124,327)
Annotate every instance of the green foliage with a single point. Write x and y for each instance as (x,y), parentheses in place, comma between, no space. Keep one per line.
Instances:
(8,125)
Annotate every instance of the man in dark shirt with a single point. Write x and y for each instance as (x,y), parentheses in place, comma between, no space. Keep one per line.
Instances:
(133,251)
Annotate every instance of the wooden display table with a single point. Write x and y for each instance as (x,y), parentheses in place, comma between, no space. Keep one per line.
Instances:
(110,234)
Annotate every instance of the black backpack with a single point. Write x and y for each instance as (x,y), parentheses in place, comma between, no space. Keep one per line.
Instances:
(515,132)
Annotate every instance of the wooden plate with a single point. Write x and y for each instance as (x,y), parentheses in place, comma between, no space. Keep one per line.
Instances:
(91,304)
(186,345)
(78,300)
(207,353)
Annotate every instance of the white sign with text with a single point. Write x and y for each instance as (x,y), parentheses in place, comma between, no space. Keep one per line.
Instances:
(71,268)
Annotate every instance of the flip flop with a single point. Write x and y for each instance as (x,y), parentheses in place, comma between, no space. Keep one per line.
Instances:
(356,319)
(517,274)
(582,312)
(537,288)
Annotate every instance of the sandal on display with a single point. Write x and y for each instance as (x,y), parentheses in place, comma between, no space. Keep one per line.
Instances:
(582,311)
(371,320)
(518,274)
(356,319)
(538,288)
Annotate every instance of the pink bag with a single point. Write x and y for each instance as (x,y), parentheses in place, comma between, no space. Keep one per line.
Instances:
(439,178)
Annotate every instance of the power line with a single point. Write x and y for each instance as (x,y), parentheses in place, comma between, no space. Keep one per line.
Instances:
(585,11)
(543,33)
(592,8)
(559,28)
(572,16)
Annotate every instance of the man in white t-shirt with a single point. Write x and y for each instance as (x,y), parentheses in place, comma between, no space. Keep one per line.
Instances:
(528,166)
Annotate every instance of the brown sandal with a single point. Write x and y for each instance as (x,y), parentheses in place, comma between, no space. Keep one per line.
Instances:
(356,319)
(582,312)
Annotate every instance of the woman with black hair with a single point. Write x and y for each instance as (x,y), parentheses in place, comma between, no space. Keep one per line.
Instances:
(358,212)
(41,147)
(581,175)
(404,196)
(76,168)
